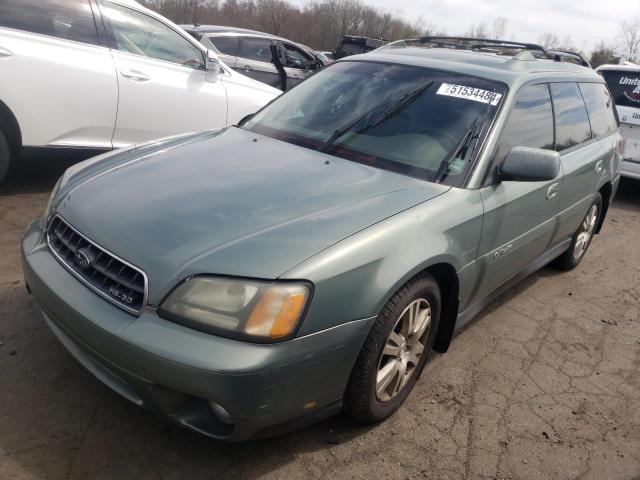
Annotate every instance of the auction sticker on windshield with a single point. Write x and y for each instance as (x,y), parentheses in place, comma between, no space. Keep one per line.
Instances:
(470,93)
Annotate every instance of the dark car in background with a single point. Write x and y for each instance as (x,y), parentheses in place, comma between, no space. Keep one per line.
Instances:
(354,45)
(267,58)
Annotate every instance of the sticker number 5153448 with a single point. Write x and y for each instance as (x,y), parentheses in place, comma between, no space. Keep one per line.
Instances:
(470,93)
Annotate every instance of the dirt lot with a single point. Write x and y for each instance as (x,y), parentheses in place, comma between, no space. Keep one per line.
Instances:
(544,384)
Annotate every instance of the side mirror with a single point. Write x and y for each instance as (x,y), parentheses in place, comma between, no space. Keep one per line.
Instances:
(525,164)
(213,66)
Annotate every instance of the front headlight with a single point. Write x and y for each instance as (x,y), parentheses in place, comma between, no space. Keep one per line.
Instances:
(47,210)
(249,309)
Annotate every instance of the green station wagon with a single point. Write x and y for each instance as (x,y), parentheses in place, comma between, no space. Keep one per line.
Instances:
(258,278)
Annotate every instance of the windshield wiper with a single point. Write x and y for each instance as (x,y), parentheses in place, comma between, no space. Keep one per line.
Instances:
(460,150)
(398,104)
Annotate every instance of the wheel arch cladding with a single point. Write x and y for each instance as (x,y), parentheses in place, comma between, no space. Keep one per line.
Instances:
(447,279)
(605,192)
(10,128)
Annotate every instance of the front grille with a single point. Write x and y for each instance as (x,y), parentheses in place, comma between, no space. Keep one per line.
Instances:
(113,278)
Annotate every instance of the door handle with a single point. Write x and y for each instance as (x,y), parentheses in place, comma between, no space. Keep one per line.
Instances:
(136,76)
(599,166)
(553,191)
(247,68)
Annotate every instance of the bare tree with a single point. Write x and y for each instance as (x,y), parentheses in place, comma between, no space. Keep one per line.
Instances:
(498,28)
(630,36)
(477,31)
(549,40)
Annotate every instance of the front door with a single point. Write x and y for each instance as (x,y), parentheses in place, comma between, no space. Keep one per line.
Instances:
(256,61)
(162,80)
(519,217)
(299,64)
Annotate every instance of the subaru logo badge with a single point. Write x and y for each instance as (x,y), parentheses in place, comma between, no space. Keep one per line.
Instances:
(82,259)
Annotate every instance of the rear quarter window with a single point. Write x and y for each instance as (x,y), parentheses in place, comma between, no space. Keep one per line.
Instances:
(65,19)
(624,86)
(600,108)
(572,121)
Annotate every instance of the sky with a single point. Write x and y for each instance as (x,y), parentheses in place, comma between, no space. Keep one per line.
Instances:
(587,21)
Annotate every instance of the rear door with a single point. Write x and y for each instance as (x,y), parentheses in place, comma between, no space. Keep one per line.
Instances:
(163,82)
(56,73)
(519,217)
(256,61)
(583,157)
(227,46)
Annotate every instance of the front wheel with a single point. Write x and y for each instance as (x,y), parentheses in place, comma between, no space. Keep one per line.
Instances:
(582,238)
(395,351)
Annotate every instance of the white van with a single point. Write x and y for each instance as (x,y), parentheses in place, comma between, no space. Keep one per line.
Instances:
(105,74)
(624,83)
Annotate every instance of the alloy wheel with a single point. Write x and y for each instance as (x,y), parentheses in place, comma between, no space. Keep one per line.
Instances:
(586,232)
(403,349)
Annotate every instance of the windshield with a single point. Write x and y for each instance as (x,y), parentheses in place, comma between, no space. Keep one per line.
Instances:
(412,120)
(624,86)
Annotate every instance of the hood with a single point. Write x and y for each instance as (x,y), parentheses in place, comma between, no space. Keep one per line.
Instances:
(233,203)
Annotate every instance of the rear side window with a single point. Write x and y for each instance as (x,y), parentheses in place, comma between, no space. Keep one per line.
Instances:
(226,45)
(530,123)
(624,86)
(600,108)
(66,19)
(572,121)
(256,49)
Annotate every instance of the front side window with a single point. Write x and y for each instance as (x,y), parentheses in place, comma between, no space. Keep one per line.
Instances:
(624,86)
(226,45)
(412,120)
(259,49)
(296,57)
(600,108)
(529,124)
(572,121)
(140,34)
(65,19)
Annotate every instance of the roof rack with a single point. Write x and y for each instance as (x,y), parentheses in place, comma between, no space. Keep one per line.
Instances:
(502,47)
(560,54)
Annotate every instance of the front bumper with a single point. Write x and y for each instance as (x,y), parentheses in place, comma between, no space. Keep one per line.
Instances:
(177,371)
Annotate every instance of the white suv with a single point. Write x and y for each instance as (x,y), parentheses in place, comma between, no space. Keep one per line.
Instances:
(104,74)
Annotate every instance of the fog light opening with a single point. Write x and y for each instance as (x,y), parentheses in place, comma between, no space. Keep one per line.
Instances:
(221,413)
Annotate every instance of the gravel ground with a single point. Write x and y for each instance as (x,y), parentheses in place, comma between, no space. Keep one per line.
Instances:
(544,384)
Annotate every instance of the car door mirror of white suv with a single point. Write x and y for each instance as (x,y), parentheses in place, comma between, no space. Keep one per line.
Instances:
(525,164)
(213,66)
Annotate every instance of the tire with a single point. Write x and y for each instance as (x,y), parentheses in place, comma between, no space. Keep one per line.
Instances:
(5,157)
(365,399)
(582,238)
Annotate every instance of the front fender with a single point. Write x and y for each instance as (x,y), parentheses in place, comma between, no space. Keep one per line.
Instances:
(356,277)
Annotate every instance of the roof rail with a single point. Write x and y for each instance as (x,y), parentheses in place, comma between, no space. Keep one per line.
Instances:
(560,54)
(496,46)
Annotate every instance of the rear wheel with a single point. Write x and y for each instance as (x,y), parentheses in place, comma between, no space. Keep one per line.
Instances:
(582,238)
(5,157)
(395,351)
